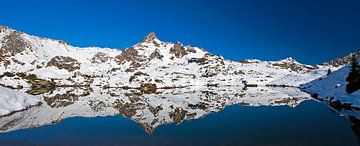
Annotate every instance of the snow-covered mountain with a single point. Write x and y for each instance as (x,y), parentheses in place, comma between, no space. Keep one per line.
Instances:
(176,81)
(338,62)
(332,88)
(151,63)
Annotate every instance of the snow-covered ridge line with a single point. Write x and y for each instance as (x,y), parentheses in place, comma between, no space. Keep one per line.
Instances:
(151,63)
(41,64)
(332,89)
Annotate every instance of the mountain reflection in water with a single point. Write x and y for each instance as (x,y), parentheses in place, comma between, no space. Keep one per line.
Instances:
(149,110)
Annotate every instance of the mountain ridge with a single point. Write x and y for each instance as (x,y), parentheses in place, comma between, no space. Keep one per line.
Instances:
(200,82)
(149,62)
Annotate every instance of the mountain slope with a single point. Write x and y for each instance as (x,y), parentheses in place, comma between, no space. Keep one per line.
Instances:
(333,87)
(12,100)
(150,63)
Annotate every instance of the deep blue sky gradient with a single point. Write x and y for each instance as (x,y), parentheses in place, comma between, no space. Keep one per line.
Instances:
(310,31)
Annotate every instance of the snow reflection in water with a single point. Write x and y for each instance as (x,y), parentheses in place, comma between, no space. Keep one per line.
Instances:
(149,110)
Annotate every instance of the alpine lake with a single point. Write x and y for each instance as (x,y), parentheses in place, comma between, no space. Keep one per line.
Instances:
(185,116)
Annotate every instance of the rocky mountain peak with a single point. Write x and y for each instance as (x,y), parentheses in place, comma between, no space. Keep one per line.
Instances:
(4,28)
(342,60)
(289,59)
(150,37)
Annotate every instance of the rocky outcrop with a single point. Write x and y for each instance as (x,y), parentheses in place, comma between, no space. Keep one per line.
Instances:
(129,54)
(61,100)
(156,54)
(100,57)
(290,64)
(343,60)
(178,50)
(148,88)
(63,62)
(178,115)
(13,44)
(150,37)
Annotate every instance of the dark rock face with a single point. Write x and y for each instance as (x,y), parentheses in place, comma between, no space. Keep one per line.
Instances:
(120,59)
(129,54)
(63,42)
(293,66)
(148,88)
(336,104)
(63,62)
(156,54)
(133,66)
(100,58)
(343,60)
(135,75)
(150,37)
(178,115)
(239,72)
(126,109)
(13,44)
(3,29)
(179,50)
(61,100)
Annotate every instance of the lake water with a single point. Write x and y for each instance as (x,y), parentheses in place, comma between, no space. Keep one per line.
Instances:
(240,121)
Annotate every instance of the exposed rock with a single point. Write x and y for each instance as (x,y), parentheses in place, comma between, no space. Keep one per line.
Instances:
(63,62)
(3,28)
(97,105)
(343,60)
(100,57)
(239,72)
(17,61)
(129,54)
(178,115)
(201,61)
(336,104)
(156,54)
(133,77)
(61,100)
(150,37)
(63,42)
(126,109)
(148,88)
(120,59)
(201,105)
(13,44)
(293,66)
(179,50)
(155,110)
(133,67)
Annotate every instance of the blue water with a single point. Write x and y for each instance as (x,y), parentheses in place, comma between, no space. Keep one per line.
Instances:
(310,123)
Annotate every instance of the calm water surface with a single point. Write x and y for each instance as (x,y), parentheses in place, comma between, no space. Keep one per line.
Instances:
(310,123)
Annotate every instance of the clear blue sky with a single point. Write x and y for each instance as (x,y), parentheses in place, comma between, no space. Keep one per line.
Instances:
(310,31)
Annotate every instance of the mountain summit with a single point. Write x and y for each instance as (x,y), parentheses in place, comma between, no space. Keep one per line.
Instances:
(150,37)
